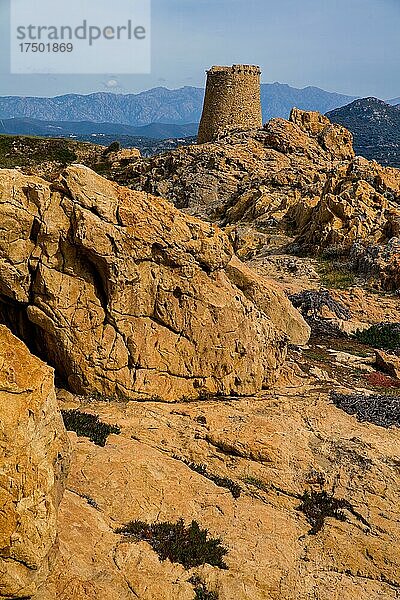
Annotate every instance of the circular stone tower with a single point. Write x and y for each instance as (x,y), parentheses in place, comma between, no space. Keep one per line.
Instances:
(232,101)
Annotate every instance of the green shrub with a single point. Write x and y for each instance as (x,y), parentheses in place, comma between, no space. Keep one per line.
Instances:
(335,275)
(200,589)
(383,335)
(64,155)
(189,546)
(86,425)
(113,147)
(317,506)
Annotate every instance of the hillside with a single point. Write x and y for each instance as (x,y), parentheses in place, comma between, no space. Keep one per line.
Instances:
(31,150)
(278,99)
(375,126)
(25,152)
(230,389)
(85,129)
(159,105)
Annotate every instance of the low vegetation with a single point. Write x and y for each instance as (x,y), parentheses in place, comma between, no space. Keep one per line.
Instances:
(25,151)
(189,546)
(382,410)
(318,506)
(223,482)
(335,274)
(201,591)
(87,425)
(259,484)
(384,336)
(380,380)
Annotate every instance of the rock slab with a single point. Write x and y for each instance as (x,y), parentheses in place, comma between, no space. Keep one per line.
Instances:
(33,465)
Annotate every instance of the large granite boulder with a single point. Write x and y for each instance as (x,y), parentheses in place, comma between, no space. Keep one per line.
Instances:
(126,296)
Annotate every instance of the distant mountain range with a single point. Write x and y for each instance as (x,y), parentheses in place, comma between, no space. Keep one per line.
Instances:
(159,105)
(159,118)
(375,126)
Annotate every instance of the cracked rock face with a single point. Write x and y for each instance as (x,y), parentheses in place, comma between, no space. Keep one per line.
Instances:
(33,464)
(126,296)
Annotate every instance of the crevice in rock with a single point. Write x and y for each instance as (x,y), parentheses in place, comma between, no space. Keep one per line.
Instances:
(14,316)
(222,482)
(36,225)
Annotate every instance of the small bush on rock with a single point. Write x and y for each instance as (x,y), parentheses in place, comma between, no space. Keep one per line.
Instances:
(201,591)
(385,336)
(113,147)
(86,425)
(380,410)
(311,302)
(256,482)
(189,546)
(318,506)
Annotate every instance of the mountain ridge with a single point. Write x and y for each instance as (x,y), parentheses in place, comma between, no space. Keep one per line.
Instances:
(160,105)
(375,125)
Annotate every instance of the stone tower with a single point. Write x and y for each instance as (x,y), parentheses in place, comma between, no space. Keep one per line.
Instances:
(232,101)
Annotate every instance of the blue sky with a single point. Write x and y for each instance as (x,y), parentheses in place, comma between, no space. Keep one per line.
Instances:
(349,46)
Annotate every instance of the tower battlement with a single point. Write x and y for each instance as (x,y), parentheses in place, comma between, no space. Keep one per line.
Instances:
(232,101)
(249,69)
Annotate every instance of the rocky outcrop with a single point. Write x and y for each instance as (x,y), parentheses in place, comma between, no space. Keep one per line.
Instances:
(34,460)
(388,363)
(298,178)
(253,176)
(378,263)
(291,443)
(126,296)
(359,204)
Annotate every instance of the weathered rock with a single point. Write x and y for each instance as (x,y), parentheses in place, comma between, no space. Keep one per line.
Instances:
(378,263)
(389,363)
(333,138)
(127,296)
(248,177)
(298,177)
(33,464)
(369,308)
(349,210)
(275,449)
(268,297)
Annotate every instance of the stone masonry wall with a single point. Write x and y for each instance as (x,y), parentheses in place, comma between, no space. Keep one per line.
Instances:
(232,101)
